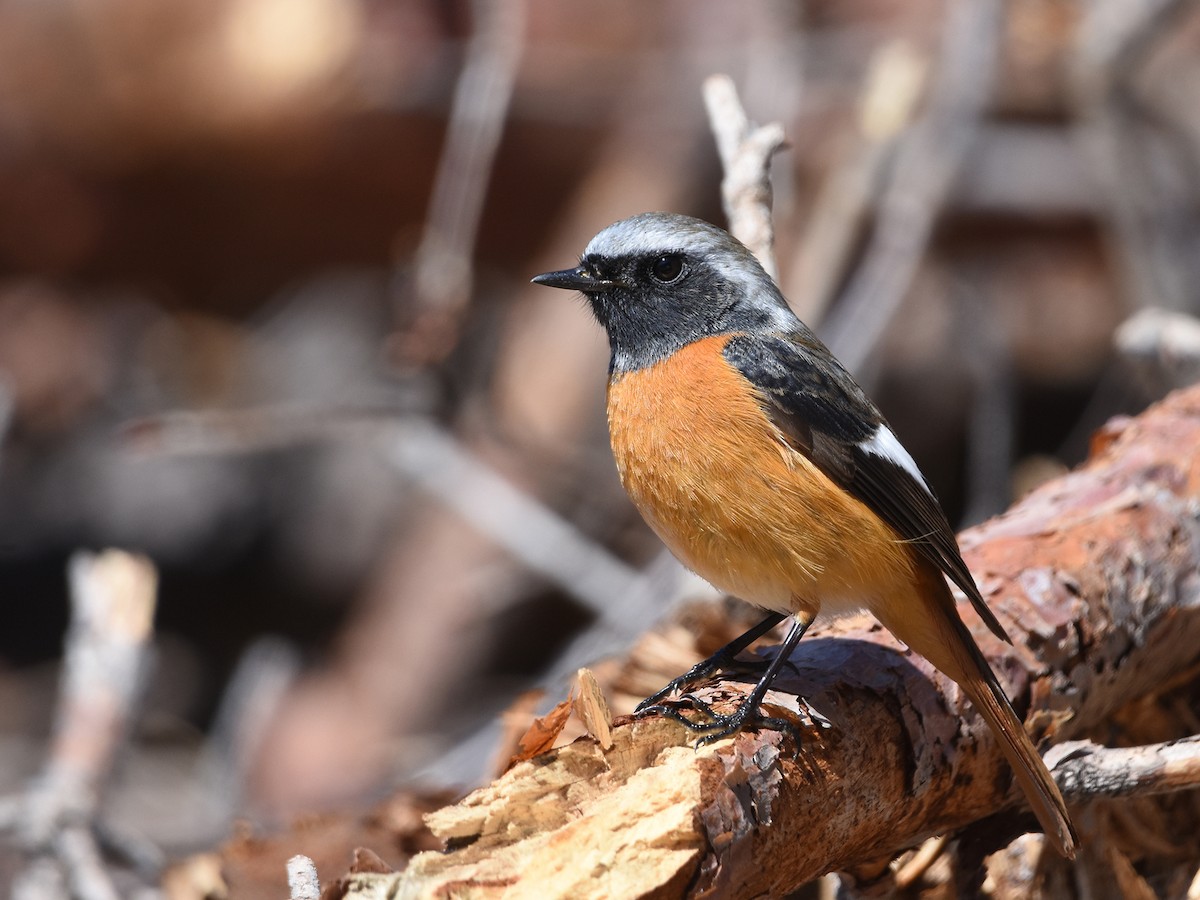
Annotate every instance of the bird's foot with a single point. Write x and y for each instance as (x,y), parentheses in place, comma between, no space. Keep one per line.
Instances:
(721,725)
(701,671)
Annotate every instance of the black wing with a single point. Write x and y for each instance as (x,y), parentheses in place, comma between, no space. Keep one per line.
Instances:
(825,415)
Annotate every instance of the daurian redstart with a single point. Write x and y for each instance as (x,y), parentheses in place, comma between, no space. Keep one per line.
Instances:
(760,462)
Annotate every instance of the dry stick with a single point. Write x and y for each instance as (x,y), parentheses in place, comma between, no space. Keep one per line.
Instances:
(991,419)
(431,458)
(1117,35)
(542,540)
(745,150)
(112,610)
(303,882)
(442,276)
(928,160)
(1086,771)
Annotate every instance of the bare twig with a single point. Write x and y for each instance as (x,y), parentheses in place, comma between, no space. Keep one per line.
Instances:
(442,276)
(303,882)
(928,160)
(1087,771)
(544,541)
(435,460)
(112,604)
(745,150)
(915,869)
(77,852)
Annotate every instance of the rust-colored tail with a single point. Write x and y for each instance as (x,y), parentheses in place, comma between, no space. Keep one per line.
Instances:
(1031,773)
(944,640)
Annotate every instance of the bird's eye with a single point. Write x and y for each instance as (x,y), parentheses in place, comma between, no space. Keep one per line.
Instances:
(667,269)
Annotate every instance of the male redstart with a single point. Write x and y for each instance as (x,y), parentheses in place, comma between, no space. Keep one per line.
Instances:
(758,460)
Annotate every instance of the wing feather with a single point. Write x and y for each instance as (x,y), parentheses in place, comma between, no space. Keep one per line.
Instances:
(824,414)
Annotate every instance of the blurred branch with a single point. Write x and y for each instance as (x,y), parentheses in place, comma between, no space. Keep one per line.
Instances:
(928,159)
(442,278)
(1114,40)
(893,86)
(915,868)
(430,457)
(541,539)
(252,698)
(104,664)
(746,150)
(1116,36)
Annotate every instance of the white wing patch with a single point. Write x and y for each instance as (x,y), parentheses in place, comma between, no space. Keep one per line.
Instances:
(885,444)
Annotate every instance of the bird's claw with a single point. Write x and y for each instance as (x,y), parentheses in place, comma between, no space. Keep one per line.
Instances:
(718,662)
(720,725)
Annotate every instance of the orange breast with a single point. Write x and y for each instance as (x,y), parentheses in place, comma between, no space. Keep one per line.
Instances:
(715,480)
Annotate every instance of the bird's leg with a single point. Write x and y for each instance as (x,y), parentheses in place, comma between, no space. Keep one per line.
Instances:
(722,659)
(720,726)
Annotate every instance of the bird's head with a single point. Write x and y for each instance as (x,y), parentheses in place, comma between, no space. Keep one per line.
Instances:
(659,281)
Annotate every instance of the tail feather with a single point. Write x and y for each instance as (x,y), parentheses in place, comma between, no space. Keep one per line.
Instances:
(941,637)
(1031,773)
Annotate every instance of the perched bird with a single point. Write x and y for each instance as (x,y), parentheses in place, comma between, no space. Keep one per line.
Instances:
(763,466)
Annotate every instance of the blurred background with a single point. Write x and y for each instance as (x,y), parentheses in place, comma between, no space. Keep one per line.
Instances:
(265,317)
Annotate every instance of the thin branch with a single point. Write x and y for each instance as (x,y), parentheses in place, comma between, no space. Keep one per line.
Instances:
(1087,771)
(1163,347)
(1116,36)
(264,673)
(913,870)
(112,609)
(745,150)
(436,461)
(76,849)
(541,539)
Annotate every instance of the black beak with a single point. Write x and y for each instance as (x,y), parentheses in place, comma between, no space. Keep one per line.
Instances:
(578,279)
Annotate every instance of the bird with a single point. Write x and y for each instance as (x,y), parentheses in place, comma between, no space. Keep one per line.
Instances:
(758,460)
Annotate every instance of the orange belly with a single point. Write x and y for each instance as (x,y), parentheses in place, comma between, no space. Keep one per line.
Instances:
(734,502)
